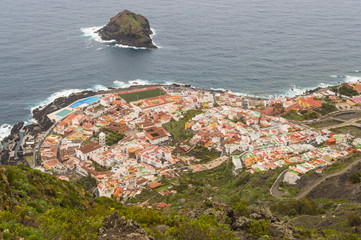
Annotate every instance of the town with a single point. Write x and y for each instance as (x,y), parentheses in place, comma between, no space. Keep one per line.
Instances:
(129,140)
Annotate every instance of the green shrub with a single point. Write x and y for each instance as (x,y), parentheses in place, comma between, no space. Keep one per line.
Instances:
(353,219)
(258,228)
(241,207)
(355,178)
(296,207)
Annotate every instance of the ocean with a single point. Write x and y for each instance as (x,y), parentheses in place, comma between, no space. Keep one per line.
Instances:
(255,47)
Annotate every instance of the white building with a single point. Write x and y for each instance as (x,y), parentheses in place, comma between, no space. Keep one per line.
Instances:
(85,153)
(102,141)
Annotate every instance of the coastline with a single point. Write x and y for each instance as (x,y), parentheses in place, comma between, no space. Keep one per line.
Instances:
(43,123)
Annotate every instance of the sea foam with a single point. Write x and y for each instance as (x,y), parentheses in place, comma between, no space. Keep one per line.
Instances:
(66,93)
(352,79)
(5,130)
(91,32)
(121,84)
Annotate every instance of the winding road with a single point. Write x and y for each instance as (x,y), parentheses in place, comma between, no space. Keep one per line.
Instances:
(335,116)
(277,193)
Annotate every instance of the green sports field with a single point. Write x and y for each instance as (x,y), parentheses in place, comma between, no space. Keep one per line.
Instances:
(135,96)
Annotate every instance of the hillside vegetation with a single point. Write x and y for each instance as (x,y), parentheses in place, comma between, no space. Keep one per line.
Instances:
(34,205)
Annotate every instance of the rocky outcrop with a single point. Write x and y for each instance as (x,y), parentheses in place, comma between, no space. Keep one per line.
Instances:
(129,29)
(7,153)
(240,224)
(116,227)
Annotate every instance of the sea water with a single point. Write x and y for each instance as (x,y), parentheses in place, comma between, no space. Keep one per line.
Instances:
(256,47)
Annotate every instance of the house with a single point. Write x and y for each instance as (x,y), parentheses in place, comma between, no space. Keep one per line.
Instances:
(55,166)
(154,185)
(309,102)
(237,164)
(354,100)
(292,176)
(116,127)
(85,152)
(156,135)
(343,106)
(330,141)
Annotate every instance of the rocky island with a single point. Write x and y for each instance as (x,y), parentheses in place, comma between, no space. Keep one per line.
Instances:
(130,29)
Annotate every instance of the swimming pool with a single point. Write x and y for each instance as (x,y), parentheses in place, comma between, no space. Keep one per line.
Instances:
(63,113)
(88,101)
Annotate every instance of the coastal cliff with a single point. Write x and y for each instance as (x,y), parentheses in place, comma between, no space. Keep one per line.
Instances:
(128,28)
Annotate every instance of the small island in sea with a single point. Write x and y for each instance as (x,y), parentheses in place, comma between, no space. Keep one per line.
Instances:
(128,28)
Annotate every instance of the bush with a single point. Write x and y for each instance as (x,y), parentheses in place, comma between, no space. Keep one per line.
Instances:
(348,91)
(241,207)
(326,108)
(354,178)
(296,207)
(258,228)
(353,219)
(205,227)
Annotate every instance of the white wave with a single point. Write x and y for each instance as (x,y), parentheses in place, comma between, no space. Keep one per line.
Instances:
(171,82)
(98,49)
(140,82)
(121,84)
(52,97)
(66,93)
(334,76)
(357,71)
(235,93)
(100,88)
(132,47)
(295,91)
(91,32)
(5,131)
(352,79)
(154,32)
(151,37)
(220,89)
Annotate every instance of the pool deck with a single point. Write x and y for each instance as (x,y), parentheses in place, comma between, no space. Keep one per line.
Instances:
(58,115)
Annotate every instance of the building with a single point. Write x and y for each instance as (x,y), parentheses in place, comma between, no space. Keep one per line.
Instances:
(117,127)
(102,140)
(309,102)
(237,164)
(85,153)
(156,135)
(354,100)
(291,176)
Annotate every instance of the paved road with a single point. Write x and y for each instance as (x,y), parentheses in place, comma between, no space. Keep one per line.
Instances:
(352,122)
(334,116)
(277,194)
(37,148)
(274,189)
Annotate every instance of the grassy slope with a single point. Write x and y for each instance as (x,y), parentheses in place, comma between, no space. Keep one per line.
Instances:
(34,205)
